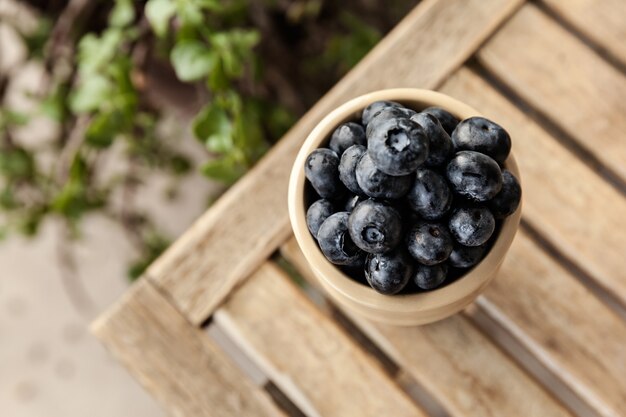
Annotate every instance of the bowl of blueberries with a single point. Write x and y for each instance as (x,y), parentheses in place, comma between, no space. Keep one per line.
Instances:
(404,203)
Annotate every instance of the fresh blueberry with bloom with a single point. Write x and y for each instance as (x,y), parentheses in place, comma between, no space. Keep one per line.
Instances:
(466,256)
(335,242)
(317,213)
(388,273)
(429,277)
(484,136)
(429,243)
(347,167)
(346,135)
(397,146)
(439,142)
(375,108)
(322,170)
(447,119)
(377,184)
(472,226)
(430,196)
(375,227)
(507,200)
(474,176)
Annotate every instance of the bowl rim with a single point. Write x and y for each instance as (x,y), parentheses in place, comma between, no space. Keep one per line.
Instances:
(472,281)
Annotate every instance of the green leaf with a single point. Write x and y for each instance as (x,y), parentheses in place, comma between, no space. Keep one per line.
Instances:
(90,94)
(226,169)
(103,129)
(16,163)
(189,12)
(192,60)
(159,13)
(54,104)
(12,118)
(122,14)
(96,53)
(213,127)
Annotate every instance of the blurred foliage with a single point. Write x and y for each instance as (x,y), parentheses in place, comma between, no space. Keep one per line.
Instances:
(255,65)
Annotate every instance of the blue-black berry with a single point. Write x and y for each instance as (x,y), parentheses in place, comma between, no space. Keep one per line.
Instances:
(375,108)
(322,170)
(439,142)
(377,184)
(346,135)
(430,196)
(466,256)
(429,243)
(335,242)
(375,227)
(429,277)
(507,200)
(472,226)
(474,176)
(317,213)
(447,119)
(484,136)
(397,146)
(388,273)
(347,167)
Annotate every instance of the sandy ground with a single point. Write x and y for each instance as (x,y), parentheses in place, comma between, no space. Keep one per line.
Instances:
(49,363)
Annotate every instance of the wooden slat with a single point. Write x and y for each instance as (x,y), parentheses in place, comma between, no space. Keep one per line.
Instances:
(305,353)
(247,224)
(564,79)
(456,363)
(176,362)
(572,207)
(566,327)
(602,21)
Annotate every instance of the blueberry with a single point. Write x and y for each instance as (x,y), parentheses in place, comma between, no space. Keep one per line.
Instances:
(335,242)
(507,200)
(377,184)
(397,146)
(447,119)
(439,142)
(388,273)
(430,277)
(347,167)
(429,243)
(386,114)
(472,226)
(322,170)
(352,201)
(346,135)
(482,135)
(474,176)
(375,227)
(466,256)
(317,213)
(430,195)
(375,108)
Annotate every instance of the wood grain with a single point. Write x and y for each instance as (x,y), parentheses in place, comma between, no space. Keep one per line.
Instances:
(566,327)
(602,21)
(305,353)
(176,362)
(250,220)
(455,363)
(572,207)
(565,80)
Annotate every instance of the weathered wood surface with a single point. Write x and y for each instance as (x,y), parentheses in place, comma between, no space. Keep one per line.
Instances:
(177,362)
(455,363)
(564,79)
(602,22)
(305,353)
(229,242)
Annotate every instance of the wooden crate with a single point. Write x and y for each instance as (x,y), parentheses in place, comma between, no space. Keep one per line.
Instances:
(548,338)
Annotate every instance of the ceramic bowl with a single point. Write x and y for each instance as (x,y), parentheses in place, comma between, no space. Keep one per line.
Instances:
(357,298)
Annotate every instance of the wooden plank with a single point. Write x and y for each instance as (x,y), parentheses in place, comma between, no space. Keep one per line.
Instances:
(566,327)
(602,21)
(572,207)
(175,361)
(305,353)
(249,222)
(455,363)
(564,79)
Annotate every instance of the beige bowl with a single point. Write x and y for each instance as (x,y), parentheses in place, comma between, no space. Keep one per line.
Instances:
(412,309)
